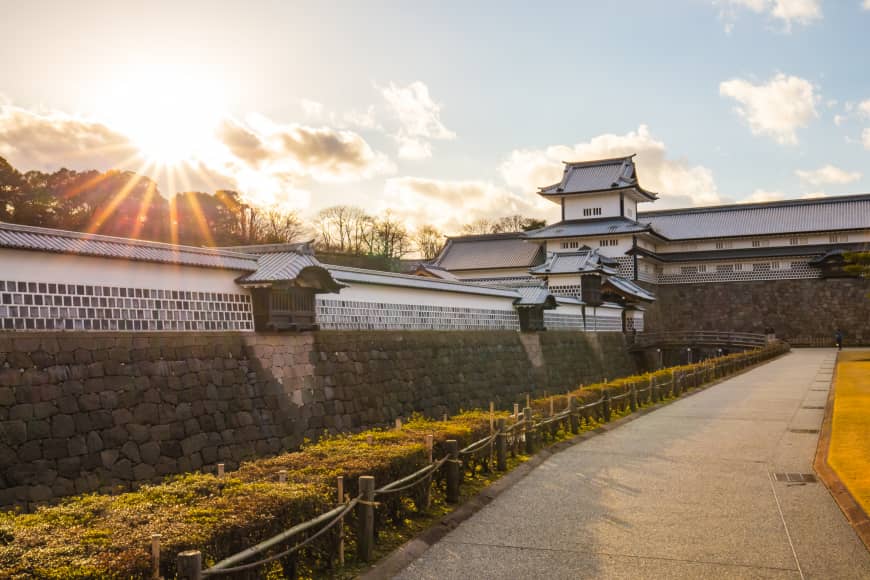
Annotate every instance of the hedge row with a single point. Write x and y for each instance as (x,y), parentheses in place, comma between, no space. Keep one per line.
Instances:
(102,536)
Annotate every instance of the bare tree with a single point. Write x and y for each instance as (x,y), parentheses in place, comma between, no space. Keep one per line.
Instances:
(343,228)
(478,226)
(389,238)
(280,226)
(428,241)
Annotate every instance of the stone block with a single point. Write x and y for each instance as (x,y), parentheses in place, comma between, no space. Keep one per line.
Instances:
(143,472)
(76,445)
(103,419)
(29,452)
(171,448)
(147,413)
(66,404)
(150,452)
(69,467)
(54,448)
(114,437)
(139,433)
(94,442)
(131,451)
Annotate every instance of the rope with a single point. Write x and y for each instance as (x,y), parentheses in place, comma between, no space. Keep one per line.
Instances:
(289,551)
(427,474)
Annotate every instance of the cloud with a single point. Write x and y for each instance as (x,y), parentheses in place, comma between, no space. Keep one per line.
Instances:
(828,174)
(840,119)
(788,12)
(864,108)
(419,117)
(316,111)
(865,138)
(775,109)
(678,182)
(764,195)
(266,161)
(48,140)
(450,204)
(270,160)
(866,5)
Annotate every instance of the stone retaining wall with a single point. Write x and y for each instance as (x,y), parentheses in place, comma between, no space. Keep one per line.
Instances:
(801,312)
(81,412)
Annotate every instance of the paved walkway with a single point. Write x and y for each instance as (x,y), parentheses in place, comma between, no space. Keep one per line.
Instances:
(684,492)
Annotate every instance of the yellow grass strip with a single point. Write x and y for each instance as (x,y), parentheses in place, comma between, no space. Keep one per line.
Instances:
(849,453)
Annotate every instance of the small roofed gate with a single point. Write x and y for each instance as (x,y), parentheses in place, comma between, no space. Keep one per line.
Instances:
(284,285)
(278,308)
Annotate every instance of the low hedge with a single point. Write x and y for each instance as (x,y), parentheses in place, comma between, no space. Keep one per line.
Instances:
(103,536)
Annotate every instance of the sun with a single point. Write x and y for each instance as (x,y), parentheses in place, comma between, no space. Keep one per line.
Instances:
(169,113)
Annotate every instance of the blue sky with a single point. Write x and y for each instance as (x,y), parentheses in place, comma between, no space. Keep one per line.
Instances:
(442,111)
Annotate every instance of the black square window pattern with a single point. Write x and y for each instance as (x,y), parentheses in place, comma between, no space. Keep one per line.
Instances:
(58,306)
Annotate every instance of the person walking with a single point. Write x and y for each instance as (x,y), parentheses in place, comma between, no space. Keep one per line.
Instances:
(838,338)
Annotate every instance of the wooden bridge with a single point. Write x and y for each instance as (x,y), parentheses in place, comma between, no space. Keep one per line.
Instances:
(697,338)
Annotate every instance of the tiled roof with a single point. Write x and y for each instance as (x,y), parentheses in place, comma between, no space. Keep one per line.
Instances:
(359,276)
(491,251)
(584,261)
(783,217)
(770,252)
(535,296)
(598,175)
(280,267)
(66,242)
(590,227)
(628,287)
(434,271)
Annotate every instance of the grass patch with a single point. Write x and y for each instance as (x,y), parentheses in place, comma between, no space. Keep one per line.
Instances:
(849,453)
(102,536)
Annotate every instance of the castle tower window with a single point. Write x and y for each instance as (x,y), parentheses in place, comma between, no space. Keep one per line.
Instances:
(591,211)
(836,238)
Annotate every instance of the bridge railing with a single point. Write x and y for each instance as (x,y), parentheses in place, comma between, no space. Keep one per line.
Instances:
(701,338)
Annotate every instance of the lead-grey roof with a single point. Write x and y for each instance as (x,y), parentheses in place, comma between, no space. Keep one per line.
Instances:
(742,253)
(630,288)
(848,212)
(65,242)
(594,176)
(280,267)
(582,262)
(535,296)
(489,251)
(590,227)
(360,276)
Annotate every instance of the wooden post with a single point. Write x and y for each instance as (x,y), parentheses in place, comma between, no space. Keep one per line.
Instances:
(189,565)
(452,471)
(427,486)
(491,417)
(444,418)
(155,555)
(653,390)
(366,516)
(370,439)
(528,400)
(551,407)
(282,476)
(607,410)
(516,411)
(632,399)
(220,469)
(429,441)
(529,431)
(501,447)
(573,419)
(340,484)
(398,423)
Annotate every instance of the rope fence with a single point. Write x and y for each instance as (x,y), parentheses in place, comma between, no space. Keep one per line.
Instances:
(525,434)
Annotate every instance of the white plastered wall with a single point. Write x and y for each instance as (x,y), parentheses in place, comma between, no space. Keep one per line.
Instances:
(33,266)
(608,202)
(359,292)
